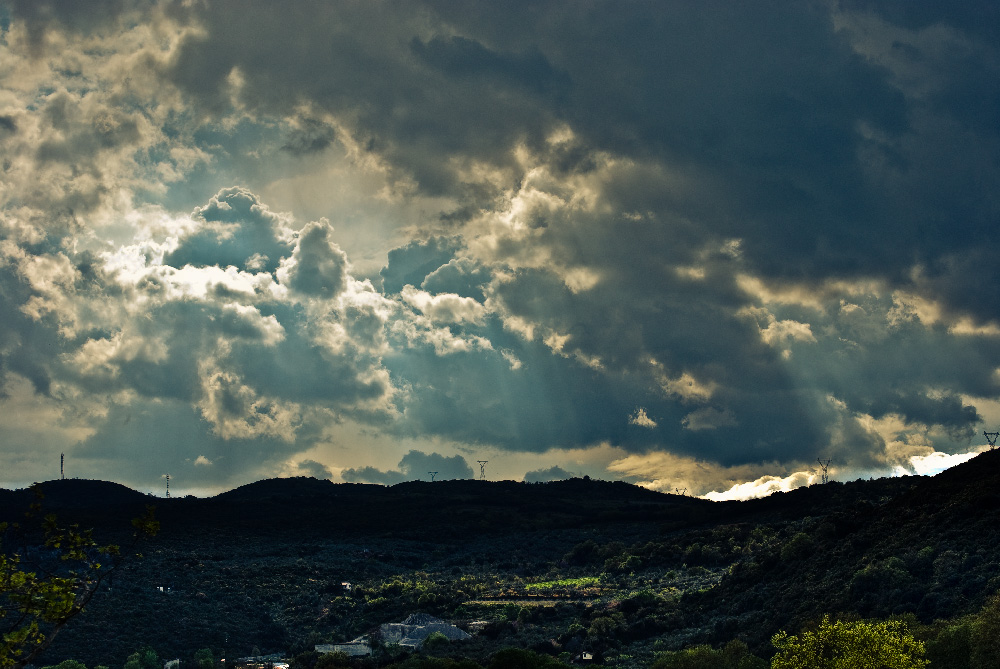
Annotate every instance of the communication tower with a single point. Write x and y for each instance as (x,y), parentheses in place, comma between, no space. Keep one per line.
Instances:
(482,469)
(167,476)
(62,465)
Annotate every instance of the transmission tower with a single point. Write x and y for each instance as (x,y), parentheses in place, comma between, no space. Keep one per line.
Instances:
(482,469)
(62,465)
(433,474)
(681,491)
(991,437)
(824,465)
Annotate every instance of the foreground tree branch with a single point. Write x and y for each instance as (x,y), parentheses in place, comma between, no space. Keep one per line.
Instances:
(47,582)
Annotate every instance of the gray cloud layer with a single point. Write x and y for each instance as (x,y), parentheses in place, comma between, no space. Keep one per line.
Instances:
(745,235)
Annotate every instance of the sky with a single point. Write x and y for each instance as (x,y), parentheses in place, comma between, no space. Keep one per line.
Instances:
(700,247)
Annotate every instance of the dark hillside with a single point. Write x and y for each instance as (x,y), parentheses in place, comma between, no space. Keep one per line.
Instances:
(933,550)
(578,564)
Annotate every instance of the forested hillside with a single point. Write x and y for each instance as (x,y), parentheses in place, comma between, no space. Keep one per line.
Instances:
(558,568)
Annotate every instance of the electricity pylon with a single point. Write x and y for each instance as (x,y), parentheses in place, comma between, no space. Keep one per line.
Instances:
(825,466)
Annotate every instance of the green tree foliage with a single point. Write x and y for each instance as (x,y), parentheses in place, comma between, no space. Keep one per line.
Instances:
(305,660)
(847,645)
(417,662)
(43,587)
(798,547)
(67,664)
(144,658)
(204,659)
(435,640)
(985,636)
(951,648)
(734,655)
(333,661)
(518,658)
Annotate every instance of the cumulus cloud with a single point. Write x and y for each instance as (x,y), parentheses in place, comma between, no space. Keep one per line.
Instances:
(317,266)
(314,469)
(554,473)
(235,229)
(415,465)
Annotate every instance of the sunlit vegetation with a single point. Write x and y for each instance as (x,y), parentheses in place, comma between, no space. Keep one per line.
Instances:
(579,582)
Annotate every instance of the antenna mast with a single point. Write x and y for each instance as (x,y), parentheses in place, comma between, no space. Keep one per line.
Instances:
(825,467)
(62,465)
(991,437)
(433,474)
(167,476)
(482,469)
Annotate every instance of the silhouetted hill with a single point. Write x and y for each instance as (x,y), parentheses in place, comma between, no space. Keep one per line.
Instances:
(930,550)
(76,494)
(261,565)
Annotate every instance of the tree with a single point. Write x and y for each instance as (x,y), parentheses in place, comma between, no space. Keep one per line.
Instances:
(518,658)
(67,664)
(144,658)
(205,658)
(435,640)
(46,582)
(985,636)
(845,645)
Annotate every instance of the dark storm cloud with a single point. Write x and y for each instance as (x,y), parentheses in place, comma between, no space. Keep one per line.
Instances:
(466,58)
(42,16)
(768,100)
(415,465)
(741,233)
(977,17)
